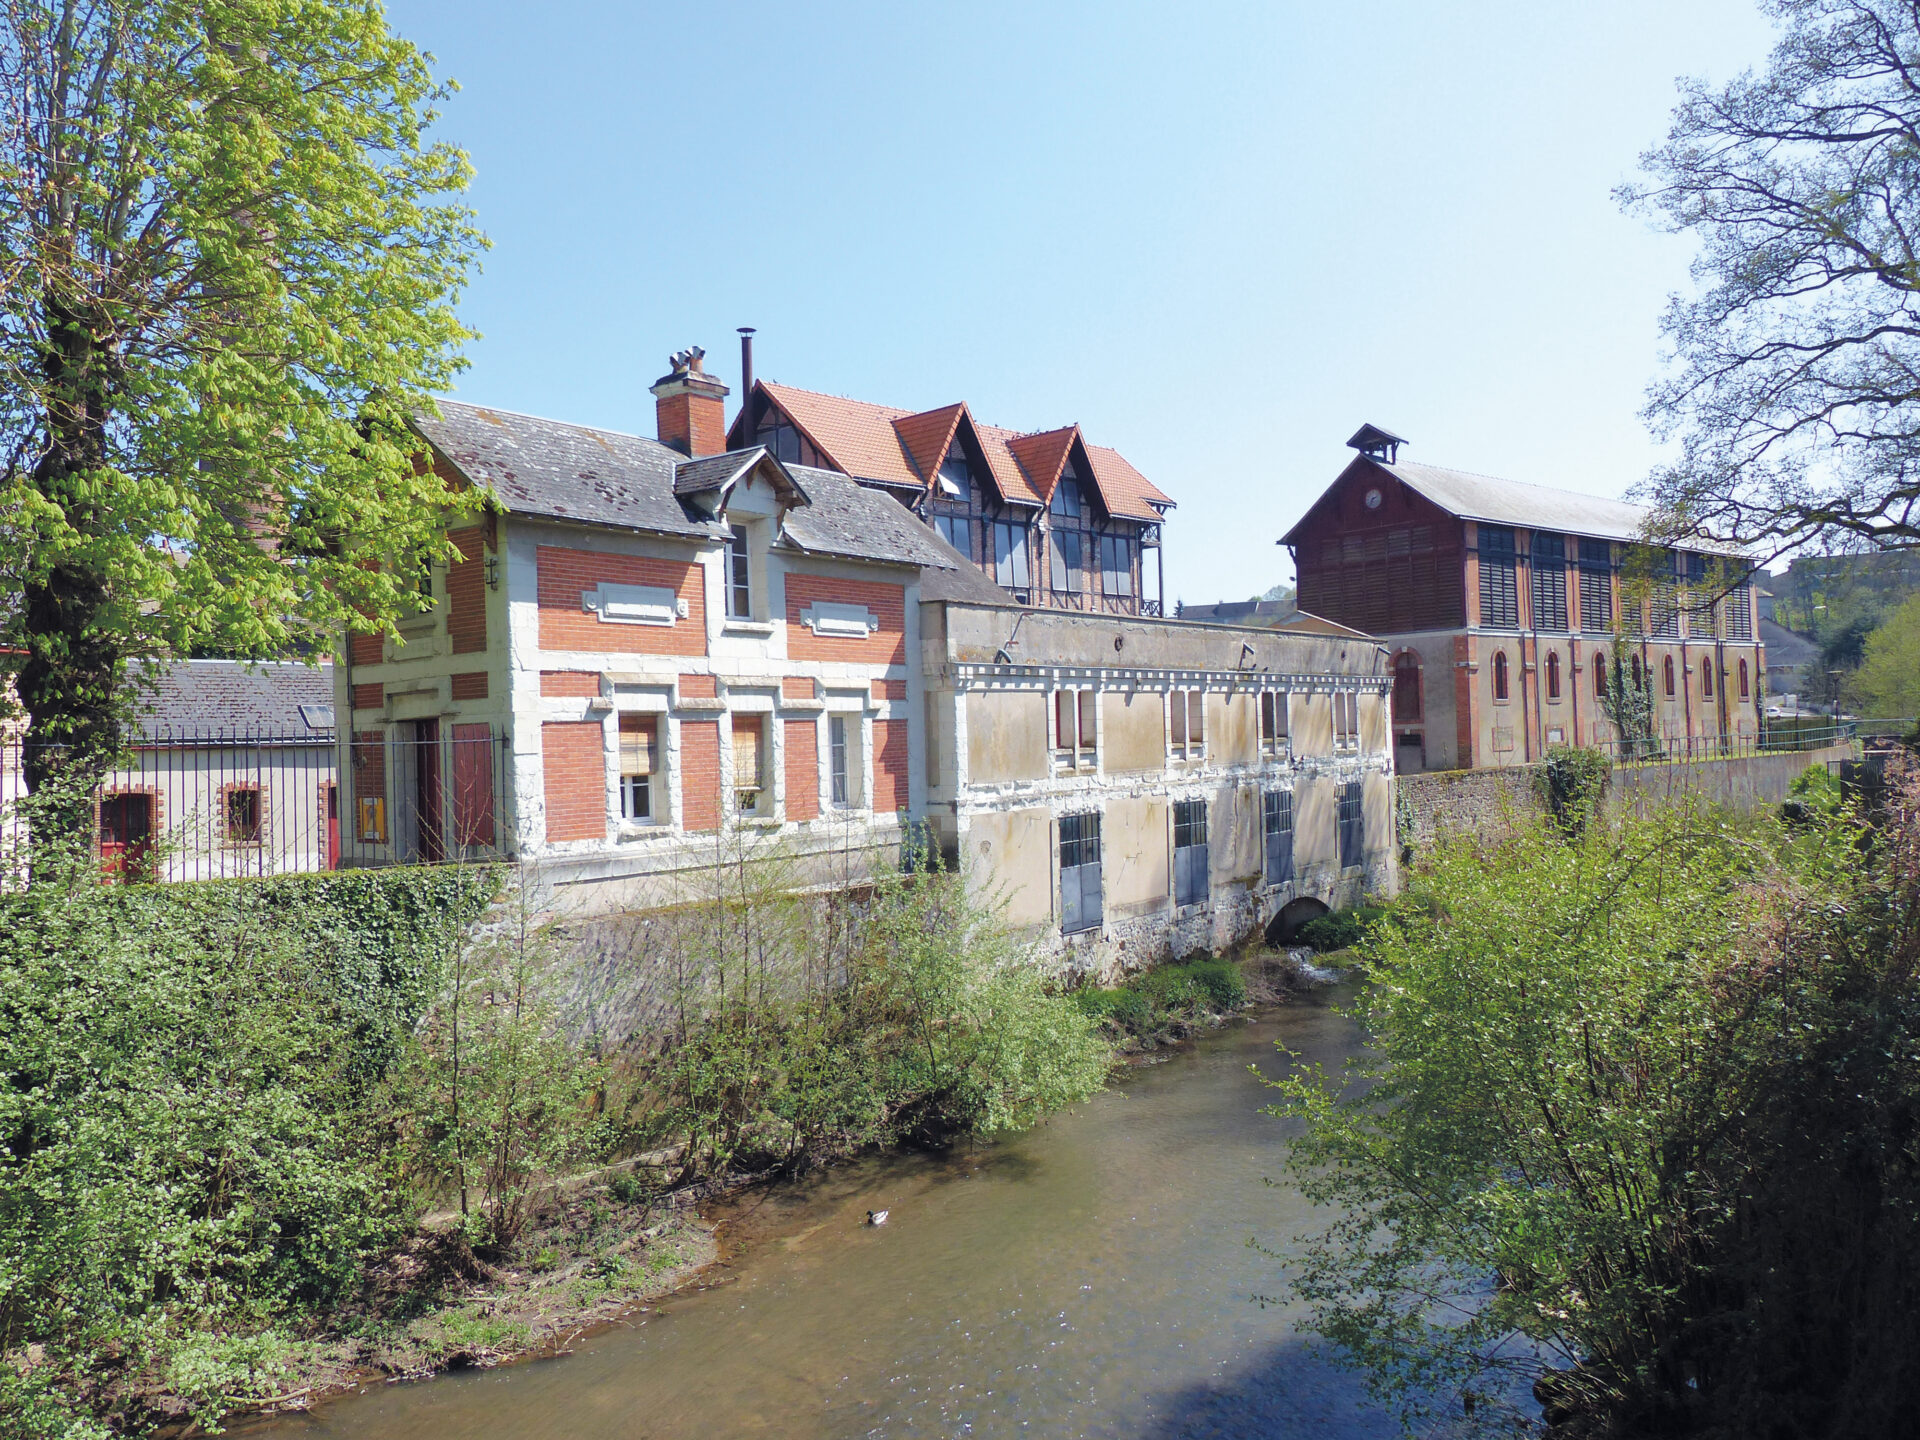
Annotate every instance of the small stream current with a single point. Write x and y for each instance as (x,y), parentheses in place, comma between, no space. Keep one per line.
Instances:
(1091,1278)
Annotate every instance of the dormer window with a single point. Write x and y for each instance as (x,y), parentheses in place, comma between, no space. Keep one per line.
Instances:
(1066,495)
(956,476)
(739,575)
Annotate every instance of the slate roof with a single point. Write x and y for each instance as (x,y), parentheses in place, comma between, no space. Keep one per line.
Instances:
(1786,647)
(887,446)
(847,519)
(279,699)
(560,471)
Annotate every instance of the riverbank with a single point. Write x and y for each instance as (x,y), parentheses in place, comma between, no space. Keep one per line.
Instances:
(617,1245)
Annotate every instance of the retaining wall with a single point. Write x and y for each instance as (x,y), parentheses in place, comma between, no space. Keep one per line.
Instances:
(1489,803)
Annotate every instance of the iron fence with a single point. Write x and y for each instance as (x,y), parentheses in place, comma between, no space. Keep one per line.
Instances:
(1669,749)
(217,803)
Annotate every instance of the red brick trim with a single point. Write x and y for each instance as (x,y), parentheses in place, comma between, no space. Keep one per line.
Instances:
(369,697)
(803,769)
(700,774)
(472,685)
(574,758)
(570,683)
(699,687)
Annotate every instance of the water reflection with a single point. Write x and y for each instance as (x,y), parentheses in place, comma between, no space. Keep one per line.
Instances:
(1092,1278)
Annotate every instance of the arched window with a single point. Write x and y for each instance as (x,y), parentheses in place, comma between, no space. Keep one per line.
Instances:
(1406,688)
(1553,675)
(1743,680)
(1599,674)
(1706,677)
(1666,675)
(1499,674)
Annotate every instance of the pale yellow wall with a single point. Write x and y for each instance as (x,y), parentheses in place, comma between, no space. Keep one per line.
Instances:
(1311,719)
(1373,724)
(1011,854)
(1134,731)
(1233,729)
(1316,840)
(1006,737)
(1133,855)
(1236,852)
(1376,809)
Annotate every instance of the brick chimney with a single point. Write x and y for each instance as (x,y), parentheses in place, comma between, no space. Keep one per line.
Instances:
(691,406)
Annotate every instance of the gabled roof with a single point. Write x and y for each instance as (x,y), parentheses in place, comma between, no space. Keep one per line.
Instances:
(558,471)
(212,699)
(926,437)
(716,475)
(881,445)
(1042,455)
(1510,502)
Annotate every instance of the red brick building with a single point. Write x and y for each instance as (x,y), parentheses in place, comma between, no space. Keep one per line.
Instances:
(1500,603)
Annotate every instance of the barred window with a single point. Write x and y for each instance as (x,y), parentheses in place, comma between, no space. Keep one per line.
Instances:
(1276,823)
(1189,852)
(1352,819)
(1499,586)
(1080,881)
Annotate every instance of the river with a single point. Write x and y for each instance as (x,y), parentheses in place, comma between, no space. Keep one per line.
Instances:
(1091,1278)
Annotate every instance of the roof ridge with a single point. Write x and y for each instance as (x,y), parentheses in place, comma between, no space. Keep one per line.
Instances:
(552,420)
(1503,480)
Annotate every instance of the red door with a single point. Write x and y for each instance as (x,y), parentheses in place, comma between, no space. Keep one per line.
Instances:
(126,835)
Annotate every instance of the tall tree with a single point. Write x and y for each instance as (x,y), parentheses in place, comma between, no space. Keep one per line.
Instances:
(228,265)
(1794,387)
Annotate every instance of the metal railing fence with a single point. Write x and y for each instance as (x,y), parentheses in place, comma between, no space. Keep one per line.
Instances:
(1670,749)
(216,803)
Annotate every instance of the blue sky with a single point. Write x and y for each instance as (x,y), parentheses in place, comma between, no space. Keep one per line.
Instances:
(1217,236)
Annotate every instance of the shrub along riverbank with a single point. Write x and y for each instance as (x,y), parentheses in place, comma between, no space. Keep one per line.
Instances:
(1639,1128)
(226,1111)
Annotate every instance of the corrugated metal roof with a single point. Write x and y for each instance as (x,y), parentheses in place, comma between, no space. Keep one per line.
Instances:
(284,699)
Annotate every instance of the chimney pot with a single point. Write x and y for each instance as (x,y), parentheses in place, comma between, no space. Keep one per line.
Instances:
(690,406)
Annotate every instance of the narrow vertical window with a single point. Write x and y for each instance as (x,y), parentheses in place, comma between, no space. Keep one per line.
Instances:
(1553,675)
(1273,722)
(638,734)
(1706,677)
(1080,880)
(1188,717)
(1189,852)
(749,763)
(1276,822)
(1499,584)
(1073,726)
(839,777)
(739,582)
(1666,675)
(1600,675)
(1407,699)
(1596,585)
(1549,582)
(1500,675)
(1744,691)
(1352,820)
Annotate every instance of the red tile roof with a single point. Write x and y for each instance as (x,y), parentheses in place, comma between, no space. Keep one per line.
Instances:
(878,442)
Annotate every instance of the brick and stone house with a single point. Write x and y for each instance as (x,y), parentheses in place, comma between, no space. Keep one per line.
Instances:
(653,648)
(1501,603)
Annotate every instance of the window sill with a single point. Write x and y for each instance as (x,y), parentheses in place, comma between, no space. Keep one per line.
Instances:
(747,627)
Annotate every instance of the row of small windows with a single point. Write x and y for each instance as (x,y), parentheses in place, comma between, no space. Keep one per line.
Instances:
(1075,721)
(1009,555)
(639,759)
(1502,683)
(1081,884)
(1549,561)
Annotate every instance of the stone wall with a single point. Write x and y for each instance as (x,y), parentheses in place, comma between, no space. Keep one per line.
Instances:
(1488,803)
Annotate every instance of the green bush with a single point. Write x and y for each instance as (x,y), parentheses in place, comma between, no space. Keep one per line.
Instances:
(1661,1081)
(1340,930)
(1164,994)
(1123,1007)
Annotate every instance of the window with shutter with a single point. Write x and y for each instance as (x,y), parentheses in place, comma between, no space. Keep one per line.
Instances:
(638,736)
(1499,583)
(749,763)
(1596,585)
(1549,582)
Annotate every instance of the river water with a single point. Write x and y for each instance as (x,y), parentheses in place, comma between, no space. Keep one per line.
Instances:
(1091,1278)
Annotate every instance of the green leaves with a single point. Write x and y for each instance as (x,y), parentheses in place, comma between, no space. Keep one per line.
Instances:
(231,258)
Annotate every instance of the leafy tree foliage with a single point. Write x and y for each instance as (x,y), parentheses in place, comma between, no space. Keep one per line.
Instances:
(1639,1127)
(229,271)
(1887,683)
(1792,390)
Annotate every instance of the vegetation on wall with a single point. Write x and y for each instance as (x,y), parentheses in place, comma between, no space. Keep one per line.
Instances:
(1572,780)
(1629,705)
(1637,1129)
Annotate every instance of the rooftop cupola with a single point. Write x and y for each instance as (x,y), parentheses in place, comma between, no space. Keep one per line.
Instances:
(691,406)
(1376,444)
